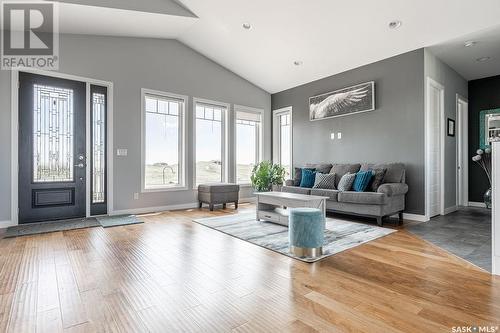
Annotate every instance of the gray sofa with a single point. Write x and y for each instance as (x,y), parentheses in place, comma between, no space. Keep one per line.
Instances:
(389,199)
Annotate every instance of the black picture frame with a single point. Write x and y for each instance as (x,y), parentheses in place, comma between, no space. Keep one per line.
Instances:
(450,127)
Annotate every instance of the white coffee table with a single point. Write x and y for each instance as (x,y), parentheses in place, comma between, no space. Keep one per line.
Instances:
(271,205)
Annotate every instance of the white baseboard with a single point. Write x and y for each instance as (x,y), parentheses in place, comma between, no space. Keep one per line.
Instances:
(415,217)
(145,210)
(449,210)
(6,224)
(477,204)
(496,265)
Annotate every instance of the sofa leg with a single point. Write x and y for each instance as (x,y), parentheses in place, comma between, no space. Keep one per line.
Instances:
(236,205)
(379,221)
(211,206)
(223,206)
(400,218)
(200,204)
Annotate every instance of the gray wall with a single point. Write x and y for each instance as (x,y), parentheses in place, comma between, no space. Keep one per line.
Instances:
(394,132)
(453,84)
(132,64)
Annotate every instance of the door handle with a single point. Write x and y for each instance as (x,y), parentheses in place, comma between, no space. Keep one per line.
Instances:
(80,165)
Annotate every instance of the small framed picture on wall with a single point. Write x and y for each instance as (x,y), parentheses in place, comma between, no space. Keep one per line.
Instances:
(451,127)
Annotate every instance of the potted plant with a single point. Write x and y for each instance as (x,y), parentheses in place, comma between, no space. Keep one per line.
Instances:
(483,159)
(265,175)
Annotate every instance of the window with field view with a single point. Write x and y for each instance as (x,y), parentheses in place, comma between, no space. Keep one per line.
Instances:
(163,119)
(248,139)
(209,127)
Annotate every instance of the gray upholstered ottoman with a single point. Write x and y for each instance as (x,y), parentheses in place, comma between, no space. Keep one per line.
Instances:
(218,193)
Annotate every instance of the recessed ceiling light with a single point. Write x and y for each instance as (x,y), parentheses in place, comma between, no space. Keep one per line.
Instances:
(395,24)
(297,62)
(482,59)
(247,26)
(470,43)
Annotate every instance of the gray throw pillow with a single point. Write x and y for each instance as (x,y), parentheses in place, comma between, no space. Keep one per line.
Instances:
(345,183)
(325,181)
(377,179)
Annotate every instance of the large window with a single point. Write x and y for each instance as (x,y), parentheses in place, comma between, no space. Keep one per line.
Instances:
(210,125)
(163,147)
(282,138)
(248,143)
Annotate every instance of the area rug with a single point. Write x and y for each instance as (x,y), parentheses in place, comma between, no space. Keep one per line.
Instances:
(52,226)
(114,221)
(339,235)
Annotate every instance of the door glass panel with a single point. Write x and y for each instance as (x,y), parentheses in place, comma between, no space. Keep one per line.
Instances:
(98,147)
(52,134)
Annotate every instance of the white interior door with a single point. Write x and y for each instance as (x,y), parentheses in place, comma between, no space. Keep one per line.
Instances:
(435,95)
(462,152)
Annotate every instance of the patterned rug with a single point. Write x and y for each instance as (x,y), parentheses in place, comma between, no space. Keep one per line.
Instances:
(339,235)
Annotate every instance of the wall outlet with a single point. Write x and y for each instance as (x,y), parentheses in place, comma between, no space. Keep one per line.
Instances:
(121,152)
(332,135)
(136,196)
(339,135)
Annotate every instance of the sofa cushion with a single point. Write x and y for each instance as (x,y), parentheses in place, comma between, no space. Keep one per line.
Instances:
(298,175)
(395,171)
(331,194)
(377,179)
(320,167)
(325,181)
(296,189)
(308,178)
(218,187)
(345,183)
(362,180)
(341,169)
(364,198)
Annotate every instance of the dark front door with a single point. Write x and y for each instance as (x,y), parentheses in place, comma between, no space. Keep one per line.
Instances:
(52,159)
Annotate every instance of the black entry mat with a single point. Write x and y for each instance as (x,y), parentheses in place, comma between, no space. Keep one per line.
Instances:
(44,227)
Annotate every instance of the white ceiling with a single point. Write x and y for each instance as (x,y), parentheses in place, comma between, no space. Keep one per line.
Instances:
(94,20)
(328,36)
(463,59)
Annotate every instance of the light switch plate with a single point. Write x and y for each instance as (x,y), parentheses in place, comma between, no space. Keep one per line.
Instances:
(339,135)
(332,135)
(121,152)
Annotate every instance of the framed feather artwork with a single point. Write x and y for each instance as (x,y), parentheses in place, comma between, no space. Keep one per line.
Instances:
(343,102)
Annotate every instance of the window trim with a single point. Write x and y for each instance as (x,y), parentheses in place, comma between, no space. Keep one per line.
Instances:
(182,153)
(260,146)
(277,136)
(224,139)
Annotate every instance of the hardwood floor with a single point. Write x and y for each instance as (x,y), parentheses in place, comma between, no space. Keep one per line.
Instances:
(170,274)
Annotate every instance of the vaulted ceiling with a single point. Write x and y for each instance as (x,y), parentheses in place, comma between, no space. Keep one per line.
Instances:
(325,36)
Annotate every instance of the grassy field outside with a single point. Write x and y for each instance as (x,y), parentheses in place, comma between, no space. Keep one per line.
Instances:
(206,172)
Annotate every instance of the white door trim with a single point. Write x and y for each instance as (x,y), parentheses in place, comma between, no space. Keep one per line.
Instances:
(15,132)
(430,82)
(275,136)
(462,152)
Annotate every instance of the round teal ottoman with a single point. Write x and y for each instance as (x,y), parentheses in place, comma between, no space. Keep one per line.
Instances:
(306,232)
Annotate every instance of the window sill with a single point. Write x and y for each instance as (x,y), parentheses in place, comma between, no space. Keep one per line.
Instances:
(164,189)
